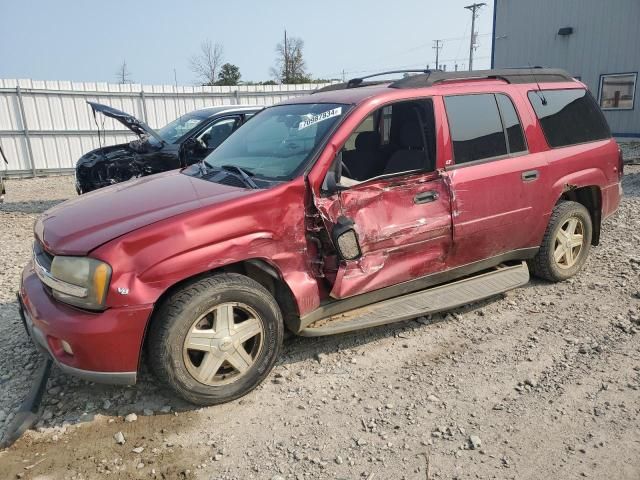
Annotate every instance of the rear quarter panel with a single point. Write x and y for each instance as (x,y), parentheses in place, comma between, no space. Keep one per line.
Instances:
(575,166)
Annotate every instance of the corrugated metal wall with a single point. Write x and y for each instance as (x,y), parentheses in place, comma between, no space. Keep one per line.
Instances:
(605,39)
(45,126)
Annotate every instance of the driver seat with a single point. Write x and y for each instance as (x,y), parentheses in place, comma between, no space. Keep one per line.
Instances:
(366,161)
(412,154)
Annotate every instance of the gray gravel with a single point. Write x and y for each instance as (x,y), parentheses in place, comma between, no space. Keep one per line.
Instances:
(631,152)
(542,382)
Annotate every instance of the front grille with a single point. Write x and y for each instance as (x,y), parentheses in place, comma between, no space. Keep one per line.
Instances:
(43,257)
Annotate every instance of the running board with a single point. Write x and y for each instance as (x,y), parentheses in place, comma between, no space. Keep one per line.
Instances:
(432,300)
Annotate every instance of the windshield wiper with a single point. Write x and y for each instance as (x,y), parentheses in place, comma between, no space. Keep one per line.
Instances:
(244,174)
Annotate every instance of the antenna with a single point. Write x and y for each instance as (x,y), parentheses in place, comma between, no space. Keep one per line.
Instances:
(543,99)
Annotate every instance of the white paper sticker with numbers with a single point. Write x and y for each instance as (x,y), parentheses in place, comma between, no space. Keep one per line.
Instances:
(334,112)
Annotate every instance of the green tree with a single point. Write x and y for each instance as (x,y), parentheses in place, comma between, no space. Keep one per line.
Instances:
(229,75)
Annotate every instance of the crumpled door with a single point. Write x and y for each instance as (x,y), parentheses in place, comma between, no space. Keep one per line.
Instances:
(403,226)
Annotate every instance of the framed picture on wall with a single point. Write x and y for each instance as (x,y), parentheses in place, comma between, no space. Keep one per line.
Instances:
(617,91)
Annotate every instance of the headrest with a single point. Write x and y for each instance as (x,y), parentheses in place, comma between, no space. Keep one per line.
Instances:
(367,141)
(411,136)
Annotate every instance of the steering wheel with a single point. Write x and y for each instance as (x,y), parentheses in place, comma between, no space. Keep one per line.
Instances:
(346,170)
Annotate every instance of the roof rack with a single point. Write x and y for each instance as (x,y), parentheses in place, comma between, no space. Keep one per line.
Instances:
(428,78)
(360,81)
(509,75)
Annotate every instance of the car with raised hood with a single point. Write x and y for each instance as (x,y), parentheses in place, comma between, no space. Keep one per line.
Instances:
(182,142)
(363,204)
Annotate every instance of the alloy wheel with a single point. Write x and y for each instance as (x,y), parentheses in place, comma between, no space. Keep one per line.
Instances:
(222,344)
(568,243)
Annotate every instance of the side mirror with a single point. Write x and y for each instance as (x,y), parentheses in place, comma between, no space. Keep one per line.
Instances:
(331,182)
(345,239)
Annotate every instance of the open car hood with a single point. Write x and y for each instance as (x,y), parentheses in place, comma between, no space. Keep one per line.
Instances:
(129,121)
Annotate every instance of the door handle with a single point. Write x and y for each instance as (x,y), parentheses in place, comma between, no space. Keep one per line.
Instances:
(426,197)
(530,175)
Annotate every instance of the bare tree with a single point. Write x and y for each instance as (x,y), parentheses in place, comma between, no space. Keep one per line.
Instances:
(206,64)
(290,65)
(123,74)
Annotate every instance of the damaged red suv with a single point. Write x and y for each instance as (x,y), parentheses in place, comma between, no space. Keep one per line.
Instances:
(362,204)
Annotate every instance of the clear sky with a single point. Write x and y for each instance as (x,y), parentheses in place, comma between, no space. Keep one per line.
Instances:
(88,40)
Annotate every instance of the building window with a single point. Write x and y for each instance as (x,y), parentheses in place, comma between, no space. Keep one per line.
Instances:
(617,91)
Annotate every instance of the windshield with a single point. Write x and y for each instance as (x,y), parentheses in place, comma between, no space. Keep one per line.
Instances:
(279,140)
(172,131)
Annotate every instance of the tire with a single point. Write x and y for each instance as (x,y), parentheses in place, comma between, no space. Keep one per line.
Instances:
(545,264)
(215,314)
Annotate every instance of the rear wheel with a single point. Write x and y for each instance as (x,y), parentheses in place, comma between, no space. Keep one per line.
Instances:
(216,339)
(566,243)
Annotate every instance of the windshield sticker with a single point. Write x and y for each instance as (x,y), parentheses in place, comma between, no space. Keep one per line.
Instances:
(312,120)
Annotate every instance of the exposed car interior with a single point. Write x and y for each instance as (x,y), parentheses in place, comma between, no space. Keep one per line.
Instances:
(394,139)
(218,132)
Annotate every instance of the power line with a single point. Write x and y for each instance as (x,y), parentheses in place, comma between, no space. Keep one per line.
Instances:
(401,52)
(392,67)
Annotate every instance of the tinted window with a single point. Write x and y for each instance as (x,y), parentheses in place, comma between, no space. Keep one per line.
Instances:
(569,117)
(476,129)
(511,124)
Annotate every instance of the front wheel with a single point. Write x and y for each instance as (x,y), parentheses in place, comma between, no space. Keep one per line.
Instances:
(566,243)
(215,339)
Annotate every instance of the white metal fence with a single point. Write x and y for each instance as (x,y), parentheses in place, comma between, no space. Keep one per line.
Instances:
(45,126)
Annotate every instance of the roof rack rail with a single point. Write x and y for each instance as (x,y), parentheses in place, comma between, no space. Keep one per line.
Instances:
(360,81)
(509,75)
(428,78)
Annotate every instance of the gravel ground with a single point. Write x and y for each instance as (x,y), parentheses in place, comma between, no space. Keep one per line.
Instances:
(542,382)
(631,152)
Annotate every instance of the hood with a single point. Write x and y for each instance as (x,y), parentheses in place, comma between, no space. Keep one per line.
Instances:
(78,226)
(132,123)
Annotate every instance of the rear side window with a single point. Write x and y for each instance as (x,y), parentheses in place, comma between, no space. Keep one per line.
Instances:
(511,124)
(476,128)
(569,117)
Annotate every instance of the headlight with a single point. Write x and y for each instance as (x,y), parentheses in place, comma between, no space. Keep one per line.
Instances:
(90,276)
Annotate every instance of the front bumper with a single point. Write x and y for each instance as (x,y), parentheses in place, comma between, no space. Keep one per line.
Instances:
(106,346)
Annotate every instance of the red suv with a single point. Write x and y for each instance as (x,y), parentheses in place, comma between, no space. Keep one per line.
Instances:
(362,204)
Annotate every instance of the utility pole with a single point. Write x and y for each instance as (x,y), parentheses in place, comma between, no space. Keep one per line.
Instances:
(286,59)
(474,14)
(437,46)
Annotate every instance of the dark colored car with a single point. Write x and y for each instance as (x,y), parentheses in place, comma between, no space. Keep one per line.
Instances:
(356,206)
(180,143)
